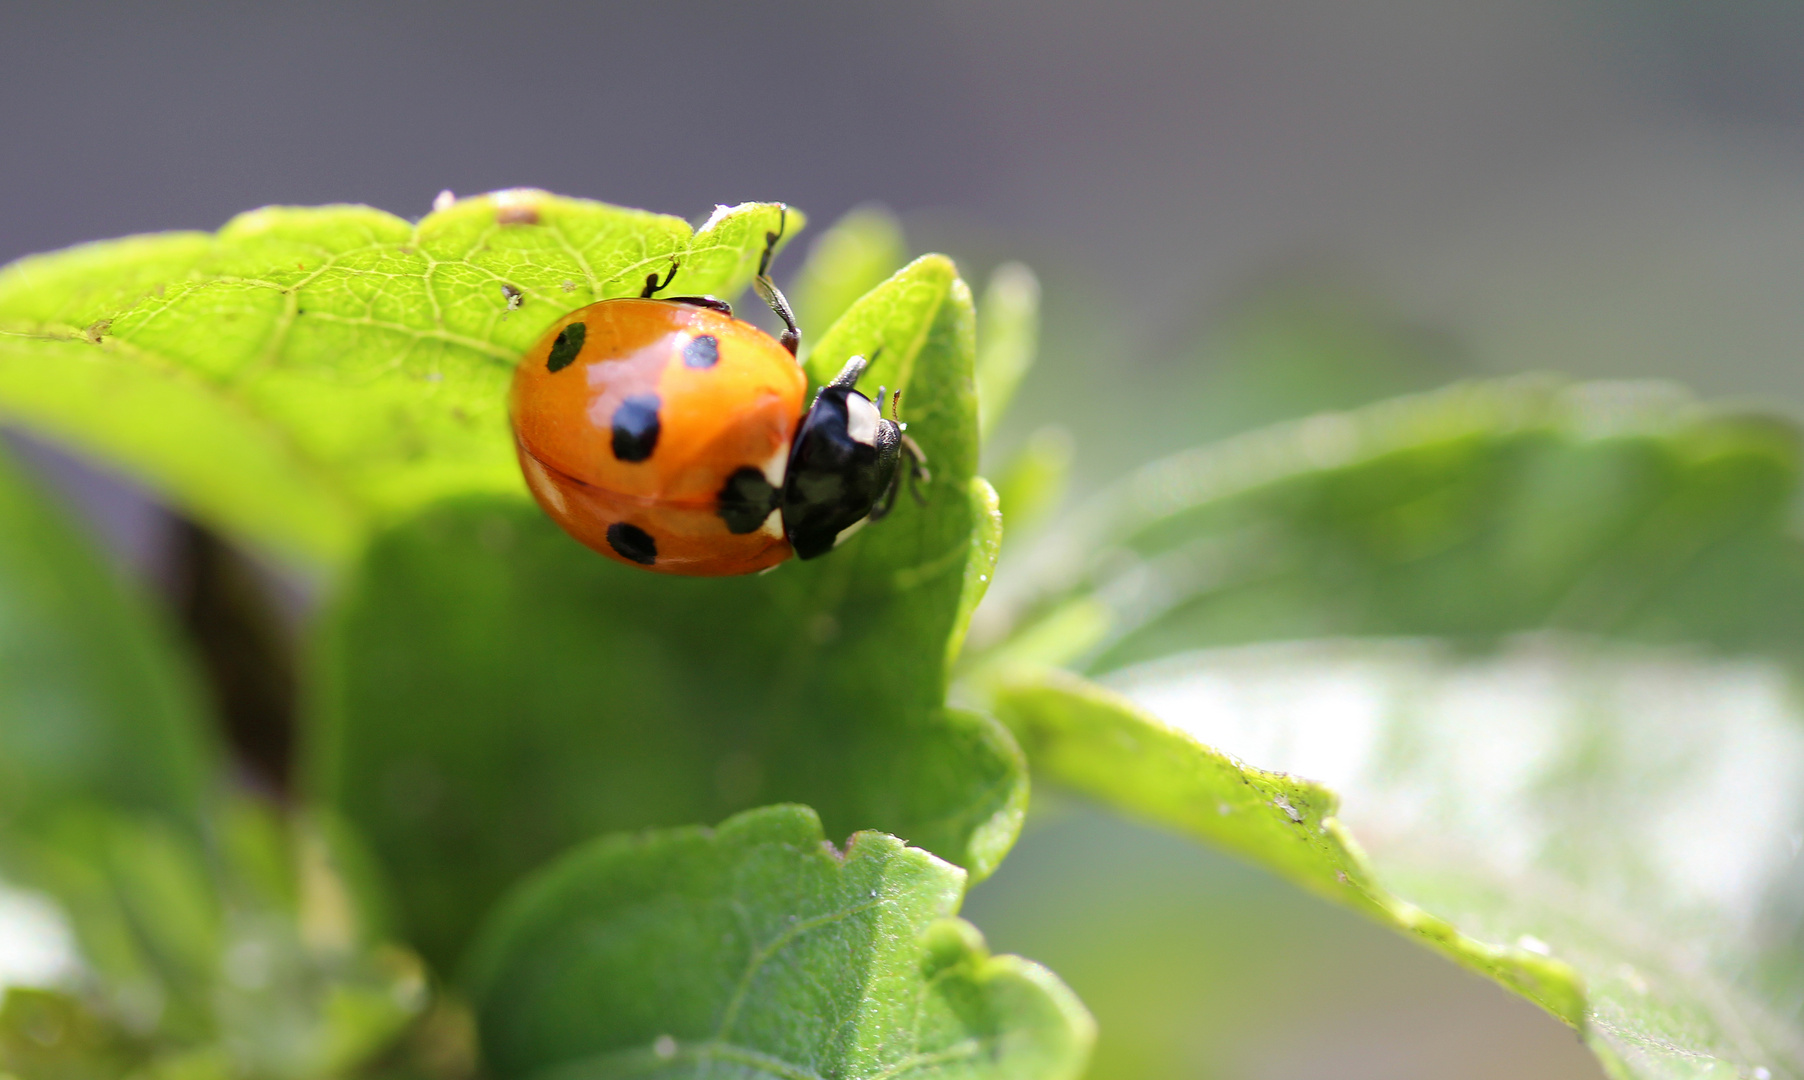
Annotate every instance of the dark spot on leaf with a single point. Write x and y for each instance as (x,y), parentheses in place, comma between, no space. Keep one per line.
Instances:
(632,543)
(98,330)
(746,500)
(702,352)
(636,427)
(513,296)
(517,214)
(568,344)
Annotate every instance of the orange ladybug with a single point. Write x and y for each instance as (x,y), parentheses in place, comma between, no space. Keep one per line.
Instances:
(666,434)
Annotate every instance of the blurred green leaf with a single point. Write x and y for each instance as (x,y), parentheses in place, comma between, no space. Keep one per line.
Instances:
(1634,812)
(495,694)
(1100,744)
(1624,511)
(308,370)
(1032,483)
(50,1035)
(1301,344)
(252,959)
(96,702)
(1485,508)
(852,257)
(1008,336)
(759,949)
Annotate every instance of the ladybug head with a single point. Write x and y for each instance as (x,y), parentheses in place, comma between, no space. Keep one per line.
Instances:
(844,465)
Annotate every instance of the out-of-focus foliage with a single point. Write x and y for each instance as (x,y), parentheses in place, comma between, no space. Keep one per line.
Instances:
(689,951)
(306,371)
(1010,333)
(1099,744)
(1612,508)
(93,704)
(498,694)
(1467,515)
(1633,811)
(213,937)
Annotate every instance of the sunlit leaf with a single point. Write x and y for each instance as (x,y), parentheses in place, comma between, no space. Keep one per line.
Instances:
(306,371)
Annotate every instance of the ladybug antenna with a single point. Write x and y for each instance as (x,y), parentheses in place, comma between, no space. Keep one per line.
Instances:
(880,392)
(653,286)
(895,407)
(767,290)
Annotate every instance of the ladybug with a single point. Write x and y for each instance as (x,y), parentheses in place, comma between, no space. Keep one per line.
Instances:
(665,433)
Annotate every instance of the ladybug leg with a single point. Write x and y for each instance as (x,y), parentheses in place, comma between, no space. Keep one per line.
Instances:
(767,289)
(881,508)
(848,376)
(653,285)
(917,473)
(917,469)
(854,370)
(712,303)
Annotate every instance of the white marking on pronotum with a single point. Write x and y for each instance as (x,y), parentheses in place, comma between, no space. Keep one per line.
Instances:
(846,533)
(773,469)
(773,524)
(862,419)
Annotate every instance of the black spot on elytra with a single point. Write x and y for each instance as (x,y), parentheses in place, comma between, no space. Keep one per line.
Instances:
(568,344)
(632,543)
(702,352)
(636,427)
(746,500)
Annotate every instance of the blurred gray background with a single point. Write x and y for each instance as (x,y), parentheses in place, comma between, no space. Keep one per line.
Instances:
(1242,210)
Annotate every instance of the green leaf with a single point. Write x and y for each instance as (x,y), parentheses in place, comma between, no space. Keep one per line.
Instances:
(1634,812)
(96,703)
(757,950)
(1008,335)
(852,257)
(494,694)
(308,371)
(1627,510)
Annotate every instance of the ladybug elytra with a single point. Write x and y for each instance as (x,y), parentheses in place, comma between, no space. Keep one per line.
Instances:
(664,433)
